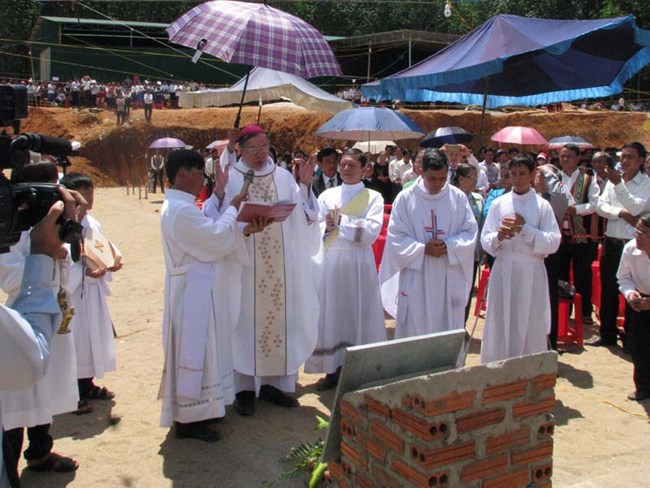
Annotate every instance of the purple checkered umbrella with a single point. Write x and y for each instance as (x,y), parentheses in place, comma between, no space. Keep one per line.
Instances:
(257,35)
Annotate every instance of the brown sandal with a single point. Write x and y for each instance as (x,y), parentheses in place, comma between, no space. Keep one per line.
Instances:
(83,407)
(54,462)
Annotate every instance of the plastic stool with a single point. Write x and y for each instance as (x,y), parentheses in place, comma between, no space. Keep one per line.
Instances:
(565,333)
(595,285)
(481,293)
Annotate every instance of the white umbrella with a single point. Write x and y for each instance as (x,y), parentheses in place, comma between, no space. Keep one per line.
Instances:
(373,147)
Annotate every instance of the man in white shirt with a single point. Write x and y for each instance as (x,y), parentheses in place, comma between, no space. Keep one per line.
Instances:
(625,197)
(634,283)
(579,227)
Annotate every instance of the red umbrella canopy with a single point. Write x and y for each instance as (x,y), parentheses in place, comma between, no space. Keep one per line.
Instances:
(255,34)
(519,135)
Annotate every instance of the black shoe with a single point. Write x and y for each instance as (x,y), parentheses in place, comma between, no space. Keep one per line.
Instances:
(196,430)
(245,403)
(599,341)
(328,383)
(587,320)
(638,395)
(271,394)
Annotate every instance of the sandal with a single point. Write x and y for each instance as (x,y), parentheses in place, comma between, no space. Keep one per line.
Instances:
(54,462)
(100,393)
(83,407)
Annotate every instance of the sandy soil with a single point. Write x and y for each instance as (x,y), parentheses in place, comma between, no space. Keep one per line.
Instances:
(601,439)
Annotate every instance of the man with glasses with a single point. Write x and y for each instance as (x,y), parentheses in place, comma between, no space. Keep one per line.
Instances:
(275,330)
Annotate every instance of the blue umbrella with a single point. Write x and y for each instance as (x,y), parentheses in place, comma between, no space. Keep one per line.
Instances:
(368,124)
(560,142)
(446,135)
(512,60)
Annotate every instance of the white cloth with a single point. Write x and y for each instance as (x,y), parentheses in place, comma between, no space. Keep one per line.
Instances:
(428,294)
(57,392)
(519,313)
(291,298)
(91,325)
(25,333)
(193,246)
(632,196)
(227,159)
(633,270)
(351,312)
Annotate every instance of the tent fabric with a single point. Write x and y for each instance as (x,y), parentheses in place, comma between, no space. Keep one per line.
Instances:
(515,60)
(268,85)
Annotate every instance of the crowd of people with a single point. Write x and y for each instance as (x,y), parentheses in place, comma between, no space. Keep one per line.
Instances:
(253,294)
(299,291)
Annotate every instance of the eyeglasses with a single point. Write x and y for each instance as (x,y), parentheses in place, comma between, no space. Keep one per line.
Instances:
(256,150)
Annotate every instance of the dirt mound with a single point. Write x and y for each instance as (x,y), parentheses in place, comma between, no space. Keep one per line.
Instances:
(119,155)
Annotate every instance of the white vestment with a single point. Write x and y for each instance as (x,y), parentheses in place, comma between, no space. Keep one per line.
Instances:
(57,392)
(197,380)
(518,312)
(91,325)
(276,329)
(351,312)
(428,294)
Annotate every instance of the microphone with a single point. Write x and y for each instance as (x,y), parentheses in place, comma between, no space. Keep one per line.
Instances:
(248,179)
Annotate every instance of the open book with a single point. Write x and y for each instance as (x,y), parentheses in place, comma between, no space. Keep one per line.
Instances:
(278,211)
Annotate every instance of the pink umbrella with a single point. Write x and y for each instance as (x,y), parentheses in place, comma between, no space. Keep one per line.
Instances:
(519,135)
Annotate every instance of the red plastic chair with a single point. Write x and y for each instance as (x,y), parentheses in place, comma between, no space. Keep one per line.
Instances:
(481,294)
(566,333)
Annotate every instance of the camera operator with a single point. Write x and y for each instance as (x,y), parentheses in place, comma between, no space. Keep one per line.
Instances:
(26,329)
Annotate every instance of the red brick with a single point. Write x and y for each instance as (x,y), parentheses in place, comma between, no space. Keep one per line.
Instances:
(352,456)
(505,391)
(377,407)
(541,473)
(544,382)
(336,470)
(414,476)
(386,436)
(362,482)
(446,455)
(484,468)
(427,431)
(546,430)
(347,429)
(382,478)
(527,409)
(506,441)
(533,455)
(344,483)
(407,401)
(376,450)
(354,415)
(480,419)
(449,403)
(543,484)
(515,479)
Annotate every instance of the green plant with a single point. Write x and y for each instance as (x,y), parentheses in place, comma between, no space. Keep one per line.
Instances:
(306,459)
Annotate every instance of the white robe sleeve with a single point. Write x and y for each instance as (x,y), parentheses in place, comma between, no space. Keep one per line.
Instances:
(546,239)
(364,230)
(489,239)
(404,248)
(460,247)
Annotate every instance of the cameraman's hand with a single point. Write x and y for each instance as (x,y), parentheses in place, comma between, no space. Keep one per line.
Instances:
(45,234)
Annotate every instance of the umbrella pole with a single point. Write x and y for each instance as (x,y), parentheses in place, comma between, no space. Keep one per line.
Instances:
(485,92)
(259,112)
(243,95)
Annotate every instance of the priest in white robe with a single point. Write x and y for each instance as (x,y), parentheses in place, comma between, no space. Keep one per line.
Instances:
(197,380)
(91,325)
(426,269)
(520,231)
(276,330)
(351,311)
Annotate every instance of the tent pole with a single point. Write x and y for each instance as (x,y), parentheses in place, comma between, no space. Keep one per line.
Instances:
(369,55)
(243,95)
(485,92)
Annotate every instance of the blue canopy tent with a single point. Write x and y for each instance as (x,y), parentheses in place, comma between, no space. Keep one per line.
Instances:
(511,60)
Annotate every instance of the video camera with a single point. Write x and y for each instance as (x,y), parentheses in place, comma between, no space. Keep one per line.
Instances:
(23,205)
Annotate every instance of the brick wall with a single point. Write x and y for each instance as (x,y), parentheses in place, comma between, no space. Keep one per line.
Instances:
(484,426)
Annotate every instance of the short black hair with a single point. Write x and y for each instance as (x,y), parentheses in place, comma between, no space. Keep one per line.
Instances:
(463,169)
(323,153)
(76,181)
(640,148)
(182,158)
(572,147)
(522,161)
(434,159)
(356,153)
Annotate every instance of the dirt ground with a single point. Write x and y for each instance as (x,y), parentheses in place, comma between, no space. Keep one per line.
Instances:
(601,440)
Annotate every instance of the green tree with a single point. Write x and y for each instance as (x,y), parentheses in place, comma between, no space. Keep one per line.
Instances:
(15,28)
